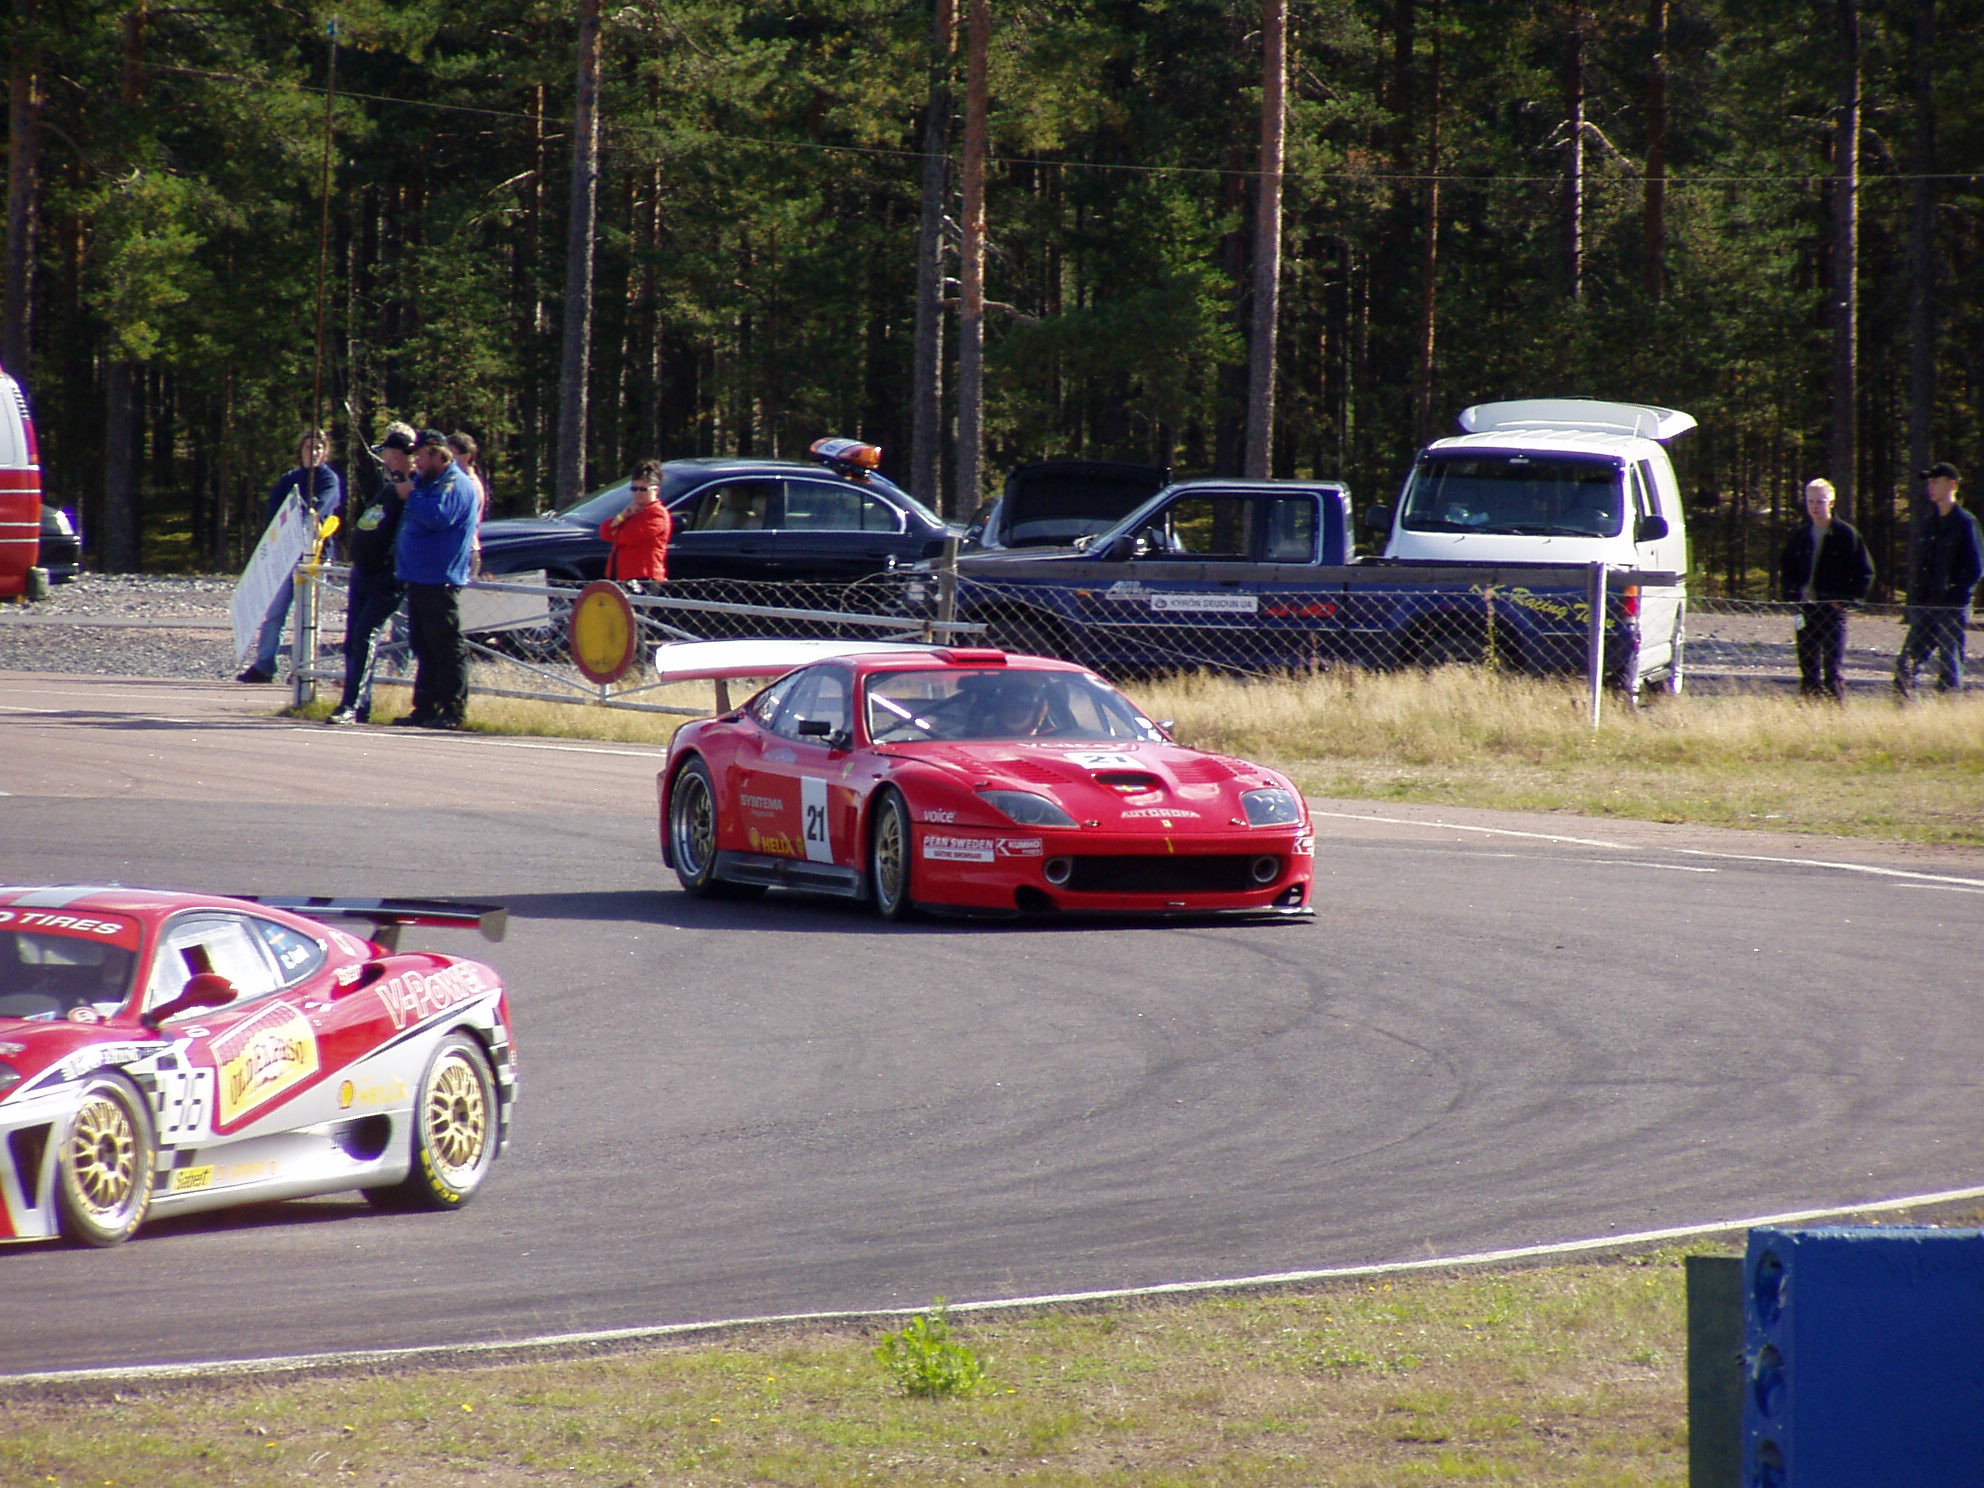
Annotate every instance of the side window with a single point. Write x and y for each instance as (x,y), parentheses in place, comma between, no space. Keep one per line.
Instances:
(1291,530)
(732,506)
(824,694)
(764,707)
(219,943)
(297,955)
(1650,487)
(1212,527)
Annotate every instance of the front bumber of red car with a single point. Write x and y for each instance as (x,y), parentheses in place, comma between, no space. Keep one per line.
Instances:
(1149,829)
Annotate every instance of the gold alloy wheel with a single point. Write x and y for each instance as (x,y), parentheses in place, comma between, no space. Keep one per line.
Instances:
(891,857)
(457,1117)
(103,1158)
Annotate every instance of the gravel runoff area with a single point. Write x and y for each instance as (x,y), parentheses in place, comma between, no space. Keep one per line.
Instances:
(124,625)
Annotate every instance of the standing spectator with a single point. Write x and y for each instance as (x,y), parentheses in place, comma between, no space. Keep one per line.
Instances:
(1825,570)
(1949,561)
(431,555)
(374,594)
(467,455)
(320,490)
(639,532)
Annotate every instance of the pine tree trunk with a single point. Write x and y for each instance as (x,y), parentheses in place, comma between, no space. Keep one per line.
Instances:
(926,429)
(1267,244)
(575,365)
(1846,264)
(23,179)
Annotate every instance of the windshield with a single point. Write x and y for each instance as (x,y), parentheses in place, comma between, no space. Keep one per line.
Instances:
(52,971)
(591,510)
(954,704)
(1526,495)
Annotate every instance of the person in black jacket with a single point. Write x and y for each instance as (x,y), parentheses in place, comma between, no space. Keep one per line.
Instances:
(1949,562)
(1824,570)
(375,593)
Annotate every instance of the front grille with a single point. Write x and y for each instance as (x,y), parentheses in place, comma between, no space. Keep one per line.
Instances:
(1153,873)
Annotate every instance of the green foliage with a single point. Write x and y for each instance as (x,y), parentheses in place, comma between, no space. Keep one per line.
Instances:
(924,1360)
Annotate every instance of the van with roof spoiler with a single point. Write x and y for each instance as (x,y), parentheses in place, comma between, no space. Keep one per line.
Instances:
(20,496)
(1570,481)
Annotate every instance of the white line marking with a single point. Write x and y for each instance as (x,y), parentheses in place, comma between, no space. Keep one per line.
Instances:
(1399,821)
(1941,878)
(354,1358)
(1937,888)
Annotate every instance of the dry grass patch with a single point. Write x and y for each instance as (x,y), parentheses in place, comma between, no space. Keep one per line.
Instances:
(1570,1375)
(1460,737)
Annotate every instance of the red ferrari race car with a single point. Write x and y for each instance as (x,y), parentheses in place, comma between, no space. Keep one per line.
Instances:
(162,1053)
(965,781)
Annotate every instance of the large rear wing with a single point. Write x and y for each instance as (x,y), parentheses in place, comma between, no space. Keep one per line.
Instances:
(388,917)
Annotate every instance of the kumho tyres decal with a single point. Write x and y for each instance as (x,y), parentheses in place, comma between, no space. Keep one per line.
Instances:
(260,1058)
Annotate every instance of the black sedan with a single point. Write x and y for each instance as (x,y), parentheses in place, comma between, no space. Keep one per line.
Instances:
(778,520)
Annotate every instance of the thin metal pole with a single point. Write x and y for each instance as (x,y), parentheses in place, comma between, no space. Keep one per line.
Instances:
(1594,646)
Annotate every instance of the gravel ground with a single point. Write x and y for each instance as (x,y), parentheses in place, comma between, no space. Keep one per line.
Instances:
(128,625)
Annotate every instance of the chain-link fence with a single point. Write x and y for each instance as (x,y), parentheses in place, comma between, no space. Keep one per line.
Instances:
(1649,640)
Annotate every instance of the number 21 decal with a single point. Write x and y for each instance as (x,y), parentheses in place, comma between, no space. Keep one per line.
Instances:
(813,814)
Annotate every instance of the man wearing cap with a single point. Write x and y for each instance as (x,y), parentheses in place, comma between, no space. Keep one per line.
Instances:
(374,595)
(1949,562)
(431,554)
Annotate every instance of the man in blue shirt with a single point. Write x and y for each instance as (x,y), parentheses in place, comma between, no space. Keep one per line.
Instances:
(431,553)
(1949,562)
(320,490)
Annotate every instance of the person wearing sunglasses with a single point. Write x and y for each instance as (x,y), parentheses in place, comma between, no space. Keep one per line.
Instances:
(639,532)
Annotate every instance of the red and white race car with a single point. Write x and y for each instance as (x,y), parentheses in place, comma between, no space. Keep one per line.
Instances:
(965,781)
(162,1053)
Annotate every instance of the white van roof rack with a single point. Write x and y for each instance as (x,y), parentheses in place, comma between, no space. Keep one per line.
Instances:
(1588,415)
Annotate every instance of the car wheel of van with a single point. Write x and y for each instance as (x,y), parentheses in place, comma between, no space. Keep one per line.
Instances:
(454,1131)
(890,843)
(103,1178)
(1677,673)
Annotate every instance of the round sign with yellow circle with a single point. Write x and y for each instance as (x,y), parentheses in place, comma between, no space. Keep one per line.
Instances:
(604,632)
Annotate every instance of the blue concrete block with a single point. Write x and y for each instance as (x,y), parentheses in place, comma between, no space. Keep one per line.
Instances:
(1864,1351)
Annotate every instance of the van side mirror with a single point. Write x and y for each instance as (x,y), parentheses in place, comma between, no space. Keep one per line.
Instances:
(1649,529)
(1378,519)
(1121,549)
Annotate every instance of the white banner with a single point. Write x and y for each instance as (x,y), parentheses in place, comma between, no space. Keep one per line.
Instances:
(290,536)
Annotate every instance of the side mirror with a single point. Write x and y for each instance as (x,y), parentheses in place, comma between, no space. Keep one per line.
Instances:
(1650,529)
(207,989)
(1378,519)
(814,728)
(1121,549)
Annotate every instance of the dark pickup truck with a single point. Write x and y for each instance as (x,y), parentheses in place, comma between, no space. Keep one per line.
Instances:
(1261,576)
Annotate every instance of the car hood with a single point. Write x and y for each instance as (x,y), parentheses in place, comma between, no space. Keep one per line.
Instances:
(1163,786)
(533,529)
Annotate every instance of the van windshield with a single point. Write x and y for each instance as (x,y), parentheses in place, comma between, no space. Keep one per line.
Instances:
(1516,494)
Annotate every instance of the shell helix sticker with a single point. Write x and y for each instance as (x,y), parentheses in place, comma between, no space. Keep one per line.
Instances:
(262,1057)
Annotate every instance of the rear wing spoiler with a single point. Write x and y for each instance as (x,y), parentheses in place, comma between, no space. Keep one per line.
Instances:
(388,917)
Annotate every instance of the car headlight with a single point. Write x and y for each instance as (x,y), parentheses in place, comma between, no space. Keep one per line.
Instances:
(9,1077)
(1271,808)
(1026,808)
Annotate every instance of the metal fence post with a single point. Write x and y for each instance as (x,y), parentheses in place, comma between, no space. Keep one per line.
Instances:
(1594,642)
(303,637)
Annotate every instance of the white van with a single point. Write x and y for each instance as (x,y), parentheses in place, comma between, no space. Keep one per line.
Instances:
(1560,480)
(20,496)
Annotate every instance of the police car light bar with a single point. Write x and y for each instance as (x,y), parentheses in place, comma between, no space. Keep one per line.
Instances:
(849,454)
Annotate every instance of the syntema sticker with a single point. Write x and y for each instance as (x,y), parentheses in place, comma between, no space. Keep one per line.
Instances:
(414,995)
(1205,604)
(262,1057)
(761,805)
(958,849)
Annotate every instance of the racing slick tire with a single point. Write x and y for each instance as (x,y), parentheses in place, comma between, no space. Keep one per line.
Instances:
(454,1131)
(890,844)
(692,836)
(103,1180)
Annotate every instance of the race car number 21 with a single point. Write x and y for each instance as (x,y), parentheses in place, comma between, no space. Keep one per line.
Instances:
(813,815)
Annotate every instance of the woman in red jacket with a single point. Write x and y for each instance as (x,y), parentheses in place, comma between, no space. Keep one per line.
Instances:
(639,533)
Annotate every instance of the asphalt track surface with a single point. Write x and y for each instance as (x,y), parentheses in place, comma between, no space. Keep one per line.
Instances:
(1499,1031)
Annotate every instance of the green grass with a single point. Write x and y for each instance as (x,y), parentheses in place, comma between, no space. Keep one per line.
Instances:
(1569,1374)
